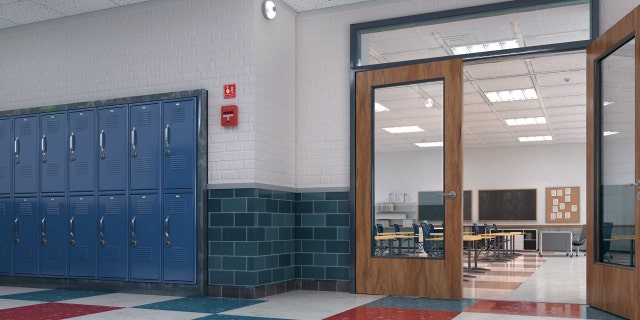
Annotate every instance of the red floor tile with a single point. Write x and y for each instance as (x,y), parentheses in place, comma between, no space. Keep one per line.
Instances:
(539,309)
(51,311)
(370,313)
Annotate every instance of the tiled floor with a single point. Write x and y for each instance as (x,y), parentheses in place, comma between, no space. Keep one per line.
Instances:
(525,288)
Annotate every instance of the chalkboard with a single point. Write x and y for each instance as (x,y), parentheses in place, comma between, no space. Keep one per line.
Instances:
(507,204)
(431,205)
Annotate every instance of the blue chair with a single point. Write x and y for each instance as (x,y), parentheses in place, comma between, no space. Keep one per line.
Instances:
(607,230)
(396,227)
(380,228)
(433,248)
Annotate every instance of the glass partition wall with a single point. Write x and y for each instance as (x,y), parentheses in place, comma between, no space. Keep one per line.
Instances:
(408,134)
(618,186)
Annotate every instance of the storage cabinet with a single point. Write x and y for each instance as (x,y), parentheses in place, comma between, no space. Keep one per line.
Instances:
(112,148)
(178,144)
(179,238)
(6,235)
(53,236)
(144,146)
(53,155)
(25,151)
(82,149)
(26,231)
(145,243)
(112,237)
(82,236)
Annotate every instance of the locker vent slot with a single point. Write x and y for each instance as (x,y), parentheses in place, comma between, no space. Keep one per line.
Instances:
(178,115)
(3,209)
(82,168)
(82,124)
(25,208)
(112,167)
(144,254)
(82,208)
(111,253)
(178,206)
(144,118)
(26,171)
(25,129)
(143,207)
(80,253)
(53,170)
(144,164)
(53,252)
(178,255)
(3,172)
(112,207)
(25,251)
(112,121)
(53,126)
(3,251)
(178,163)
(3,131)
(53,209)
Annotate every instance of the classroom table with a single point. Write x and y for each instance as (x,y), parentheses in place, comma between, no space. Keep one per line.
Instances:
(632,243)
(471,239)
(395,236)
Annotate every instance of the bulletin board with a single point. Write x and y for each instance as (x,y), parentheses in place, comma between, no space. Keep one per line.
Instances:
(563,205)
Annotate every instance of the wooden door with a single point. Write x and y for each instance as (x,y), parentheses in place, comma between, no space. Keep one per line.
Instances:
(613,189)
(410,274)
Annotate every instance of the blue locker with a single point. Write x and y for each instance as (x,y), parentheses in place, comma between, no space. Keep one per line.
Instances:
(112,237)
(82,150)
(25,236)
(25,152)
(144,241)
(82,236)
(144,146)
(179,144)
(6,158)
(112,148)
(6,235)
(53,236)
(53,155)
(179,238)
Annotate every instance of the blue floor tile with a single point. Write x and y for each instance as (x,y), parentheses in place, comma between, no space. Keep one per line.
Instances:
(52,295)
(202,305)
(423,303)
(231,317)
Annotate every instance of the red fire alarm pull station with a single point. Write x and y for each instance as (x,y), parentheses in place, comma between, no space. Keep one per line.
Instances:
(229,116)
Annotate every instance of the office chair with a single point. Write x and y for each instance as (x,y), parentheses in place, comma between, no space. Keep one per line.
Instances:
(396,227)
(577,242)
(380,228)
(607,229)
(476,230)
(428,246)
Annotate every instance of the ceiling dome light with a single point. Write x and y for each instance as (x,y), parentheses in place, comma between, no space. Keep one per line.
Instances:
(269,9)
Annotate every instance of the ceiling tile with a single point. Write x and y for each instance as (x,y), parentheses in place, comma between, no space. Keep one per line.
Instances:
(71,7)
(564,90)
(25,12)
(566,101)
(559,62)
(476,108)
(498,69)
(566,110)
(516,105)
(519,82)
(524,113)
(561,78)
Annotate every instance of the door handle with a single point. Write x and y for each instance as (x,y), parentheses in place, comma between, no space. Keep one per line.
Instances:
(166,136)
(72,142)
(101,226)
(71,227)
(166,227)
(451,194)
(43,144)
(133,227)
(16,146)
(43,227)
(101,140)
(637,184)
(16,226)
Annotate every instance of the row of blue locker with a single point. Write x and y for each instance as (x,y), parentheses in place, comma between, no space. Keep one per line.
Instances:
(142,237)
(144,146)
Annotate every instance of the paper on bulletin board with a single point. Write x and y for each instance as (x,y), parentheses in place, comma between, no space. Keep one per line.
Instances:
(553,193)
(555,202)
(567,215)
(559,193)
(559,215)
(562,206)
(567,198)
(553,216)
(574,208)
(554,208)
(567,190)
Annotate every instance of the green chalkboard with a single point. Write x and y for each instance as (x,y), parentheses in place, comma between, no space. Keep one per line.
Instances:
(496,205)
(431,205)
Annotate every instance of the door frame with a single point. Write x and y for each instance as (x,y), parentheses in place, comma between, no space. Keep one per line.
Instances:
(609,287)
(397,276)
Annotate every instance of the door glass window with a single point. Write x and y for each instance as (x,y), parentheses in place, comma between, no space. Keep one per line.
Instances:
(618,183)
(408,214)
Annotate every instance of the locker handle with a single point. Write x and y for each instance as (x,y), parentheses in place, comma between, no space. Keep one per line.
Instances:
(166,136)
(71,227)
(43,227)
(133,138)
(133,227)
(166,227)
(16,146)
(102,140)
(16,226)
(101,226)
(72,142)
(43,144)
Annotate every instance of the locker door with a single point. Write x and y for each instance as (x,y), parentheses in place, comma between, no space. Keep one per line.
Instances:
(144,232)
(25,236)
(6,158)
(25,152)
(179,144)
(112,148)
(179,238)
(53,236)
(112,237)
(53,162)
(144,146)
(82,236)
(82,146)
(6,235)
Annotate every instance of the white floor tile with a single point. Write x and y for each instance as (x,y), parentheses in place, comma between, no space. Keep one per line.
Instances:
(121,300)
(6,303)
(142,314)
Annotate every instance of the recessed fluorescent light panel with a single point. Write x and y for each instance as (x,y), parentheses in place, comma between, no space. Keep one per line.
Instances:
(609,133)
(429,144)
(407,129)
(512,95)
(525,121)
(535,138)
(484,47)
(378,107)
